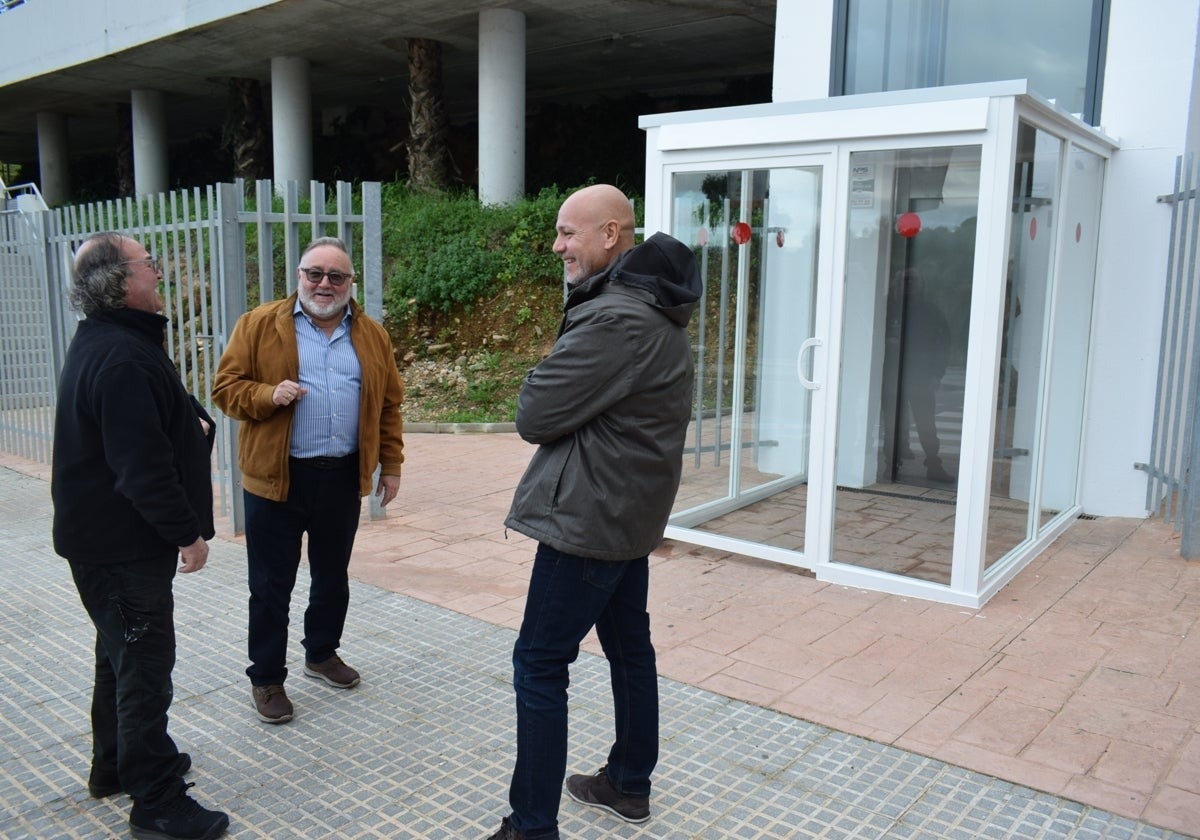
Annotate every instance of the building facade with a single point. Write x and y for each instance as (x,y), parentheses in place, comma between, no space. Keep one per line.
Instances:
(935,299)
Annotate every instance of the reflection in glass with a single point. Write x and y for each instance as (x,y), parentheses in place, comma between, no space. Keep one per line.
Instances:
(755,234)
(903,44)
(1071,329)
(1017,444)
(909,267)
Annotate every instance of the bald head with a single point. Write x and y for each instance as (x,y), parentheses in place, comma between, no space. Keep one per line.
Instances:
(595,226)
(601,203)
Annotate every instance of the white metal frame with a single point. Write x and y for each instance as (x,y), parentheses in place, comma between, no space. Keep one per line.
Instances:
(783,134)
(780,158)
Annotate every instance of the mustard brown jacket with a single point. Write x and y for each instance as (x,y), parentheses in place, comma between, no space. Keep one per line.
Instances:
(262,352)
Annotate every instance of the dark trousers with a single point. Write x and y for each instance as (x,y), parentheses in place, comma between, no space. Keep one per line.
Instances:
(133,610)
(567,596)
(324,503)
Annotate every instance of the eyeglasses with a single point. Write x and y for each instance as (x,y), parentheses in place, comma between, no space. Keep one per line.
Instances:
(336,278)
(153,262)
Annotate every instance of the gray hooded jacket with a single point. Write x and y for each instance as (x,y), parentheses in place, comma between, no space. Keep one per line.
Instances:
(609,408)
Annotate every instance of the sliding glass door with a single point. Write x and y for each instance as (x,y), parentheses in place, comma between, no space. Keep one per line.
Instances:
(759,349)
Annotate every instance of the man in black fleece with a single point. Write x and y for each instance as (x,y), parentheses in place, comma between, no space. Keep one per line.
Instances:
(608,410)
(132,490)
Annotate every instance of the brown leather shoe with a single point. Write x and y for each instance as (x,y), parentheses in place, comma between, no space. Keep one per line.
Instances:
(271,703)
(334,671)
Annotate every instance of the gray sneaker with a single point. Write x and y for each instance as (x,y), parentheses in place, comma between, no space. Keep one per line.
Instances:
(598,792)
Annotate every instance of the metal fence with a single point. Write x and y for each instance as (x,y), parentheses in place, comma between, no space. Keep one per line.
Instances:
(30,337)
(223,248)
(1173,490)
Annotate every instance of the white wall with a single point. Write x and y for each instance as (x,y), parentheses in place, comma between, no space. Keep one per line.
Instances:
(49,35)
(1148,84)
(803,50)
(1193,135)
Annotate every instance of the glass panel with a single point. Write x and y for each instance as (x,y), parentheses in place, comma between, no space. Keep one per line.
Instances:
(910,260)
(756,235)
(1023,340)
(901,44)
(1072,322)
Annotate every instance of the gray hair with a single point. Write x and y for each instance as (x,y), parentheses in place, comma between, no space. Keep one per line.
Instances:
(98,276)
(331,241)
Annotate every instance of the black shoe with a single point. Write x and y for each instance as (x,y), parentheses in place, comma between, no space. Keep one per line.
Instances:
(599,792)
(102,783)
(181,818)
(507,832)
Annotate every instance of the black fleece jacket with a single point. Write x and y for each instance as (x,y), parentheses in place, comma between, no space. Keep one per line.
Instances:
(131,476)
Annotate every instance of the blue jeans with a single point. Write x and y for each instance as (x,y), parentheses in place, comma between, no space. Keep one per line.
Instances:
(133,609)
(567,596)
(324,504)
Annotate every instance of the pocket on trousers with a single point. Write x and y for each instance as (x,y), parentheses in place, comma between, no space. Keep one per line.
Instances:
(136,624)
(604,574)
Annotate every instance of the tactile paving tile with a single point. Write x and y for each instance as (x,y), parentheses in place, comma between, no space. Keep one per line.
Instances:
(423,748)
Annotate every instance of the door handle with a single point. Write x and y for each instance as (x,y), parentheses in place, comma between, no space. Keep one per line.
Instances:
(805,381)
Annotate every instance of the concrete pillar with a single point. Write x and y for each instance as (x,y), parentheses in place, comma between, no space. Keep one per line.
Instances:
(291,121)
(53,158)
(149,110)
(501,106)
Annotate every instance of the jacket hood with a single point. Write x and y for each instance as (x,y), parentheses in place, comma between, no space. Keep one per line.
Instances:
(662,266)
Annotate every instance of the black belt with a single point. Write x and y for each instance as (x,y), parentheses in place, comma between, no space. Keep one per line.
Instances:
(325,463)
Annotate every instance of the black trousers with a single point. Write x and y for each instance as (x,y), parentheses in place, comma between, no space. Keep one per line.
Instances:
(323,502)
(133,609)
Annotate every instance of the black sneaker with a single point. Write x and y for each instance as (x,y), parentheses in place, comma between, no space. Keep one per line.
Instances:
(103,783)
(599,792)
(507,832)
(181,818)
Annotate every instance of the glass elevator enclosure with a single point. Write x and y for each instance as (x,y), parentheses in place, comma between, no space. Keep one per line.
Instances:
(892,348)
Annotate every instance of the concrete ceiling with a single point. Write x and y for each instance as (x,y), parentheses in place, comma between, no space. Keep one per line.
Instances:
(577,51)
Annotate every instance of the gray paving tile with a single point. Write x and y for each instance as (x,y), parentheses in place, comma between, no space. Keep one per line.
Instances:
(424,747)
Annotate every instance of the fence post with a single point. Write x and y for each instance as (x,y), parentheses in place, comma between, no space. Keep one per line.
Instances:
(372,257)
(232,294)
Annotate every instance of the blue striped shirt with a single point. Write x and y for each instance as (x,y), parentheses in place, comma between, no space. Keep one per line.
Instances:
(325,423)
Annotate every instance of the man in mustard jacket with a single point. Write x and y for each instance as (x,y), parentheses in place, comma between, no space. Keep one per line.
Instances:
(313,381)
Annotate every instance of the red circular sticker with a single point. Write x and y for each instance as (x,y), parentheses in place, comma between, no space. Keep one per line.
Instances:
(1033,228)
(741,233)
(702,237)
(908,225)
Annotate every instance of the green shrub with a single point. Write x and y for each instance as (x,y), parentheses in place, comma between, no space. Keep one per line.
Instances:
(529,254)
(446,249)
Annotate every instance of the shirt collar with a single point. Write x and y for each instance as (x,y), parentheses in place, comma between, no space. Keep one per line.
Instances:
(297,309)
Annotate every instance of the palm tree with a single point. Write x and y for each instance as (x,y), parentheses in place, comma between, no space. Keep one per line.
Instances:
(427,154)
(246,129)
